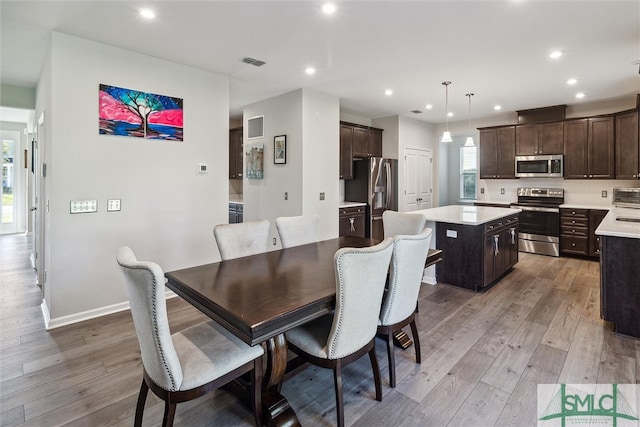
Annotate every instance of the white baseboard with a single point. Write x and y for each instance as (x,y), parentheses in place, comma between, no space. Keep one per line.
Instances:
(86,315)
(429,275)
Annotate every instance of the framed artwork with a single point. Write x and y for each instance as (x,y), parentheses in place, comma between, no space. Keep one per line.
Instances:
(280,149)
(255,161)
(129,112)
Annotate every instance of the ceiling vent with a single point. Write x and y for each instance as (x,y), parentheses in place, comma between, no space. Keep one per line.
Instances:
(416,111)
(253,61)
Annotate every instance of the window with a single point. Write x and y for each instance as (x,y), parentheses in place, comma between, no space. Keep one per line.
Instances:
(468,172)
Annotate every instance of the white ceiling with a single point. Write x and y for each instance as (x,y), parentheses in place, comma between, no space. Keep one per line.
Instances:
(496,49)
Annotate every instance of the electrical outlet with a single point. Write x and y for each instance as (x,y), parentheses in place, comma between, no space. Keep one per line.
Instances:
(604,194)
(274,241)
(502,191)
(286,195)
(482,190)
(321,196)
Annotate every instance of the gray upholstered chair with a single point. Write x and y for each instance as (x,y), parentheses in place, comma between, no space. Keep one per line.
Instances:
(405,223)
(337,339)
(401,296)
(189,363)
(297,230)
(242,239)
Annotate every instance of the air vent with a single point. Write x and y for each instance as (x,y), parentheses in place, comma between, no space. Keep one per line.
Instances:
(416,111)
(253,61)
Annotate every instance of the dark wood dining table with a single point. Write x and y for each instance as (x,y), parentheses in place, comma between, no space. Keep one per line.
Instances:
(260,297)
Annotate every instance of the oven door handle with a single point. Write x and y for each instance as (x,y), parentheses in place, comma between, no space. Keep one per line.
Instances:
(537,209)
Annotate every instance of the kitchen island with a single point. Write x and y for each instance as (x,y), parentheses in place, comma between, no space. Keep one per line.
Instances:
(619,234)
(479,244)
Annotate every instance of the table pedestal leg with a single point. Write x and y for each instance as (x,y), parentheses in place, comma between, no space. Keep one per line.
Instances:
(276,409)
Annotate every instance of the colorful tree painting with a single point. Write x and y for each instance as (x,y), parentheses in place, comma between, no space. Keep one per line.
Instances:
(129,112)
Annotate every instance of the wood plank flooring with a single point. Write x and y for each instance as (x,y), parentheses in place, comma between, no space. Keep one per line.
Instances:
(482,357)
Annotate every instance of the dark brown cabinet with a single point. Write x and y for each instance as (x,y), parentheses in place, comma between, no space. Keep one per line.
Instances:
(357,141)
(351,221)
(346,152)
(497,152)
(627,145)
(235,153)
(595,218)
(619,290)
(539,138)
(578,231)
(478,255)
(589,148)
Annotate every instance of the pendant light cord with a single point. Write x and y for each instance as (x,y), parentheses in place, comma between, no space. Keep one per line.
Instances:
(446,103)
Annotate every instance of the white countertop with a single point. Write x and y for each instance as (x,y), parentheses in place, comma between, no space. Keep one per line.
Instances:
(466,215)
(585,206)
(495,202)
(346,204)
(610,226)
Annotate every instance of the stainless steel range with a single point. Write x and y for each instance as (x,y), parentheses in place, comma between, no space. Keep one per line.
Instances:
(539,220)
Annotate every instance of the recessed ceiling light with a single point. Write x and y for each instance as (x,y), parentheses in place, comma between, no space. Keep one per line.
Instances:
(147,13)
(579,95)
(428,106)
(329,8)
(555,54)
(388,92)
(572,81)
(497,107)
(310,70)
(449,114)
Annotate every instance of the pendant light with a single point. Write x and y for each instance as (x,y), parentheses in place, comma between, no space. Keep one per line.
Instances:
(446,136)
(469,142)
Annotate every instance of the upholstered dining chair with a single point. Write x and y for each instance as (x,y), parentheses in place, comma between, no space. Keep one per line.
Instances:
(400,300)
(337,339)
(297,230)
(242,239)
(190,363)
(395,223)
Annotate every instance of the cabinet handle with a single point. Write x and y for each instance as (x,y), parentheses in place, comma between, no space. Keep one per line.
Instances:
(585,176)
(513,236)
(352,220)
(573,231)
(573,245)
(496,238)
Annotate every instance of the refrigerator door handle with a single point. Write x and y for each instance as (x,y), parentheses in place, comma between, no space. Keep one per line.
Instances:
(389,184)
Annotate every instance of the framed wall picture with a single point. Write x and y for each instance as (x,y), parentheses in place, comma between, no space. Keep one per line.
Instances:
(280,149)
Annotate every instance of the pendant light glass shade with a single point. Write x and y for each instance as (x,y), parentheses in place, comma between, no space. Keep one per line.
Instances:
(469,141)
(446,136)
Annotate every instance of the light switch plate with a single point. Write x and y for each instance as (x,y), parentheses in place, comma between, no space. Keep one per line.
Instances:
(113,205)
(604,194)
(322,196)
(83,206)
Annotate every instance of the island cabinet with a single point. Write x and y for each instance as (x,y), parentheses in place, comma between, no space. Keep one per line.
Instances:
(351,221)
(589,148)
(476,256)
(578,231)
(497,152)
(539,138)
(235,153)
(595,218)
(619,283)
(627,145)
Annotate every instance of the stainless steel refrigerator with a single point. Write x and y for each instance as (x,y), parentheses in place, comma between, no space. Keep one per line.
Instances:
(375,183)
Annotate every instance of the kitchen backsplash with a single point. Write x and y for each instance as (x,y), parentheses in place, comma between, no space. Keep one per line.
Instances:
(579,191)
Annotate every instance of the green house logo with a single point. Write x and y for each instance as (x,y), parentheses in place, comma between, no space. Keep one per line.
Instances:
(587,405)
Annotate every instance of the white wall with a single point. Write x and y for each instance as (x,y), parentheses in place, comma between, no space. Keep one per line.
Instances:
(168,208)
(310,121)
(321,153)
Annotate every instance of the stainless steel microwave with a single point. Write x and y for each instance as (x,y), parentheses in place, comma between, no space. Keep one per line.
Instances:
(542,166)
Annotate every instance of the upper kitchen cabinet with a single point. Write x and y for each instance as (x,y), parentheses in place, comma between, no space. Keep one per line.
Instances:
(627,145)
(497,152)
(346,151)
(539,138)
(589,148)
(235,153)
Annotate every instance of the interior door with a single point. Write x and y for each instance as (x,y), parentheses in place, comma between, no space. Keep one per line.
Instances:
(417,179)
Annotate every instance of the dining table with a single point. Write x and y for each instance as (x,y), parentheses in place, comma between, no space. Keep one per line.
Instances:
(260,297)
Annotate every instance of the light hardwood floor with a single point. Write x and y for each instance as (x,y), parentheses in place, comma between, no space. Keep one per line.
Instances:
(482,357)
